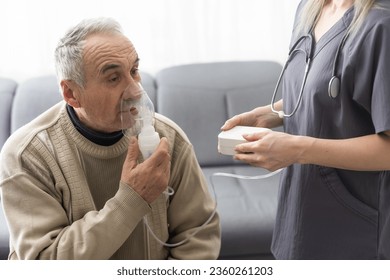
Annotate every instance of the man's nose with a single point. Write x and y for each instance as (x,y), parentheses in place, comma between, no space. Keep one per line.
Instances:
(133,91)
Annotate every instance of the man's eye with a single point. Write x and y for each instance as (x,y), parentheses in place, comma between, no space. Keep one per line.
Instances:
(114,79)
(134,72)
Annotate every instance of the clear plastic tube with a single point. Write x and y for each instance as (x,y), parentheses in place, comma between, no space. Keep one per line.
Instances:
(217,174)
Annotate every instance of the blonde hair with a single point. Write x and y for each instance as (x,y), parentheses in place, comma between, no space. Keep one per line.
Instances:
(312,10)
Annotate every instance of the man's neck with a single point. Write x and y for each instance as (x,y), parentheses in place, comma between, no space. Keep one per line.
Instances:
(103,139)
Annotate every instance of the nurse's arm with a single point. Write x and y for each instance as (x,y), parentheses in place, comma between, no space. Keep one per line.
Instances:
(365,153)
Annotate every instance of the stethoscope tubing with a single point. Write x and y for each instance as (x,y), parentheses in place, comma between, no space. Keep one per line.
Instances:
(334,83)
(308,59)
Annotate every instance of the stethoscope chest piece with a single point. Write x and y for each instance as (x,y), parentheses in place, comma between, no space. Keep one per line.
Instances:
(334,87)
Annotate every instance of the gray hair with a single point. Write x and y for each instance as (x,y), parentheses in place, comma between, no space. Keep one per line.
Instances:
(69,51)
(312,10)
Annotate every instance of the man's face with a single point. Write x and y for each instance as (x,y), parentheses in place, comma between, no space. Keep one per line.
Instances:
(111,74)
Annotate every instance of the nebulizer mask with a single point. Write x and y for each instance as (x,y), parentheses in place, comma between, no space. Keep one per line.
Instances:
(137,115)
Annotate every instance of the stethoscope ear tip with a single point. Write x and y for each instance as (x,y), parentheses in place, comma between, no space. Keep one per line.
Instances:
(334,87)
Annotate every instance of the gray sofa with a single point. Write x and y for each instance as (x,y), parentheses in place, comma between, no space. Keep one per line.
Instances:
(199,98)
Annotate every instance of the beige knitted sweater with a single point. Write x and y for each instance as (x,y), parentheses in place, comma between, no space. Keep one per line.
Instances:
(63,198)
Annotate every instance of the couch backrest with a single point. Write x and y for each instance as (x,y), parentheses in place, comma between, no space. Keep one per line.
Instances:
(32,98)
(201,97)
(7,92)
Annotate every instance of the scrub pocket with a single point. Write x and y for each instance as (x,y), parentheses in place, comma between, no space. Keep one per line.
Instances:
(345,198)
(353,222)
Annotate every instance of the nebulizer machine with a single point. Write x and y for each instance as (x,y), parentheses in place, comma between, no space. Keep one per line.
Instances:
(228,140)
(137,116)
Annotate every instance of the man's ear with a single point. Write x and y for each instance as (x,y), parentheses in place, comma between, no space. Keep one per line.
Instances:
(70,92)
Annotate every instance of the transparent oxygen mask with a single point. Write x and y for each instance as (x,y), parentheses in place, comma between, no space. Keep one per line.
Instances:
(137,116)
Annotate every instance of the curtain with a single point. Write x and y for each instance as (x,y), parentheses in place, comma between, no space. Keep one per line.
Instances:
(164,32)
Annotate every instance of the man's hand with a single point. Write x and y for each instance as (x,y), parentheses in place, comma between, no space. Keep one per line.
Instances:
(150,178)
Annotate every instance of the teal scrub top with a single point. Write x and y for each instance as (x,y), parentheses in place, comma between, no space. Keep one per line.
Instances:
(328,213)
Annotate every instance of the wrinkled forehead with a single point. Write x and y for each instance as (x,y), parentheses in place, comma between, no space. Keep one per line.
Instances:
(103,49)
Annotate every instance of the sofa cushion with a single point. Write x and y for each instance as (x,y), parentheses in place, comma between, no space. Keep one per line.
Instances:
(201,97)
(247,210)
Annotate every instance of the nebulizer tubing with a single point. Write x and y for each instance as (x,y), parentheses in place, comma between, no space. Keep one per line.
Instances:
(188,237)
(216,174)
(245,177)
(141,122)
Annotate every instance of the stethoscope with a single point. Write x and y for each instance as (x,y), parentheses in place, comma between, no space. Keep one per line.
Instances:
(334,83)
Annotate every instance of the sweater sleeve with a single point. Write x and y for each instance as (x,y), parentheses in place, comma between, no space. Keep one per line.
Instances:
(190,208)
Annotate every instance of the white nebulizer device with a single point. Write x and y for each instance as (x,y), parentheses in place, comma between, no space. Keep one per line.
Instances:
(228,140)
(148,140)
(138,119)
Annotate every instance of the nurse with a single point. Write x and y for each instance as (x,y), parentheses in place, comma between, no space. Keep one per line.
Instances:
(334,200)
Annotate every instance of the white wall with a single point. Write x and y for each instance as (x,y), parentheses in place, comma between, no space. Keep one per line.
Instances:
(164,32)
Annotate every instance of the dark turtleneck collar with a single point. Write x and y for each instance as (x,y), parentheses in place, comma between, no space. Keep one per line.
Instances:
(99,138)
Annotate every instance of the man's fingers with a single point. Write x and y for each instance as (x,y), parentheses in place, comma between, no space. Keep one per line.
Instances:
(132,152)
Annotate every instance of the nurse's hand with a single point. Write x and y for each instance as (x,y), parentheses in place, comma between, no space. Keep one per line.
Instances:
(271,150)
(258,117)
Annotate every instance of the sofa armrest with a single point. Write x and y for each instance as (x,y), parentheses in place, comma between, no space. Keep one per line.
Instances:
(7,92)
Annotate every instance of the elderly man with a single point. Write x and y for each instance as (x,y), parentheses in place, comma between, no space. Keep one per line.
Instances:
(73,187)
